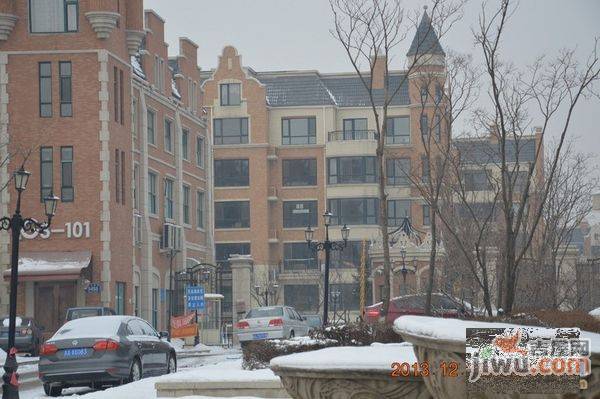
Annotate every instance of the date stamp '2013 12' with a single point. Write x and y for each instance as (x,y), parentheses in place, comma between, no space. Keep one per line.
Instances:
(404,369)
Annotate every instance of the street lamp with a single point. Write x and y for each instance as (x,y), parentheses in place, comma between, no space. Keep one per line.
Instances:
(16,224)
(326,246)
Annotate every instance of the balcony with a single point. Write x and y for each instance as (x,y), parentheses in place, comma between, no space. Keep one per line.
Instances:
(352,135)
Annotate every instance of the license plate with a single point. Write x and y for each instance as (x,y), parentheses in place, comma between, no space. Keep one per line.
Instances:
(76,352)
(260,335)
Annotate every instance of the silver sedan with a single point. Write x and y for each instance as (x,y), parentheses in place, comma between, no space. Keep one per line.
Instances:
(271,322)
(103,350)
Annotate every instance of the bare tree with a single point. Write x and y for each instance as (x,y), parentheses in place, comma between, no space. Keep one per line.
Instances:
(370,33)
(550,88)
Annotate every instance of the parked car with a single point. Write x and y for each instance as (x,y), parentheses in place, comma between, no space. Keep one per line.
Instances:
(442,306)
(91,311)
(314,321)
(28,335)
(271,322)
(103,350)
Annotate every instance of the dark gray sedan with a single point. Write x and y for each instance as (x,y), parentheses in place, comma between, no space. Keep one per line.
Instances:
(103,350)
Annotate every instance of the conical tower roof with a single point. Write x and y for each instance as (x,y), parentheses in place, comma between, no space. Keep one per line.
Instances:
(425,40)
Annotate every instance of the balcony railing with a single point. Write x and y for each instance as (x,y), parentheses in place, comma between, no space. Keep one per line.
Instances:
(300,265)
(346,135)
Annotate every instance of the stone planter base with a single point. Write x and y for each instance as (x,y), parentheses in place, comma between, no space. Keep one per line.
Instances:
(343,384)
(221,389)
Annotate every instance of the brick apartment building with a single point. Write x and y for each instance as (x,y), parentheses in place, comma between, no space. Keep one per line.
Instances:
(113,127)
(290,145)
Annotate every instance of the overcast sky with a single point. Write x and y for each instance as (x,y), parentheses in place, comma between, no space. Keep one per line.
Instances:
(294,34)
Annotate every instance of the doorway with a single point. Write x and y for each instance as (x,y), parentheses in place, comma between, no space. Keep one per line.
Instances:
(51,303)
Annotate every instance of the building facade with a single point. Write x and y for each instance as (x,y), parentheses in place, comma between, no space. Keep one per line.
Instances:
(93,106)
(290,145)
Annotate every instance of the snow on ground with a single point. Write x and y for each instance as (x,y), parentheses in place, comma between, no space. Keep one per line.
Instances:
(374,357)
(455,329)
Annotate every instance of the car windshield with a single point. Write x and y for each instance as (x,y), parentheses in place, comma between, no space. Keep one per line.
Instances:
(101,326)
(81,313)
(264,312)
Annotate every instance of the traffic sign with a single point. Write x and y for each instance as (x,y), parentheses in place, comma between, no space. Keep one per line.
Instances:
(195,297)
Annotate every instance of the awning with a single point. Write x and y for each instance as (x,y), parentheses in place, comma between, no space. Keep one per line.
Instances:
(51,266)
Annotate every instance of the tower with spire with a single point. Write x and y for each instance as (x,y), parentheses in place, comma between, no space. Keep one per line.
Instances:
(425,48)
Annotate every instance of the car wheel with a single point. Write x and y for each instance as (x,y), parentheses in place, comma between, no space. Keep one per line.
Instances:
(136,371)
(172,364)
(52,391)
(292,335)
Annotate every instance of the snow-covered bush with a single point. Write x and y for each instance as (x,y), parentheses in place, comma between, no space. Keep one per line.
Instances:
(358,334)
(258,354)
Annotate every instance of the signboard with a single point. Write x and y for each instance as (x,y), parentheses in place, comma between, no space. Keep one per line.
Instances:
(184,326)
(93,288)
(195,298)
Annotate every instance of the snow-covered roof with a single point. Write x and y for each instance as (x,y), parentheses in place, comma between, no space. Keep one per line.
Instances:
(52,263)
(454,330)
(213,296)
(137,67)
(376,357)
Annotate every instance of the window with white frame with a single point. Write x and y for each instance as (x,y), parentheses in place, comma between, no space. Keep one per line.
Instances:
(186,205)
(169,199)
(168,135)
(200,151)
(200,209)
(152,191)
(53,16)
(185,138)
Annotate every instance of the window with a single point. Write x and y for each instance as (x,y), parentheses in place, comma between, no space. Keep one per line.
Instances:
(185,136)
(45,82)
(66,100)
(299,172)
(118,95)
(120,297)
(117,177)
(168,195)
(354,210)
(186,205)
(200,151)
(136,186)
(232,173)
(230,94)
(53,16)
(232,214)
(136,300)
(426,215)
(398,171)
(398,130)
(123,177)
(348,297)
(355,129)
(155,307)
(298,131)
(302,297)
(151,124)
(231,131)
(159,73)
(438,127)
(476,180)
(299,256)
(200,209)
(425,169)
(66,174)
(397,211)
(350,257)
(134,117)
(152,190)
(300,214)
(424,125)
(46,180)
(168,136)
(352,170)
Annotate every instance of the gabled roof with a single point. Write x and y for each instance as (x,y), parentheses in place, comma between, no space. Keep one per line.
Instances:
(425,40)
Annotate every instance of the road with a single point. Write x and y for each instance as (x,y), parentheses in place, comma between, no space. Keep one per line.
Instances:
(35,391)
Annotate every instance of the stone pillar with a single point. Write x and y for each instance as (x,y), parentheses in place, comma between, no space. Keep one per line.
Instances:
(241,284)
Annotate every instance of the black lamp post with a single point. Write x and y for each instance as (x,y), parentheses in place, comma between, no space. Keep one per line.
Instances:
(16,224)
(326,246)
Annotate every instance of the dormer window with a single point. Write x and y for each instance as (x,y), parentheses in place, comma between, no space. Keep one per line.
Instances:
(53,16)
(230,94)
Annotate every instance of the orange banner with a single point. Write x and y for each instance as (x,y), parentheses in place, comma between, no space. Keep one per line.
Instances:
(183,326)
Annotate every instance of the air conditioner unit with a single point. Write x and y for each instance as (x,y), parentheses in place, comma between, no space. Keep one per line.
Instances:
(171,237)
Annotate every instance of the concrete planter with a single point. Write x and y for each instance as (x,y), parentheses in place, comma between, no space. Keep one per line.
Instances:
(434,349)
(348,373)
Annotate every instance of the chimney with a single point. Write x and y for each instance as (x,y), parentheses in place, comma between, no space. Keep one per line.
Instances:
(379,64)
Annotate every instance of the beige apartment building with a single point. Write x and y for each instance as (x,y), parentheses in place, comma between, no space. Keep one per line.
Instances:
(289,145)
